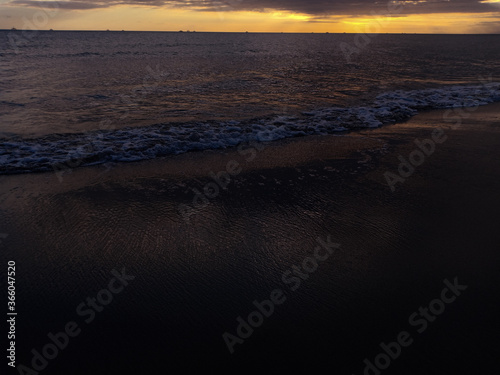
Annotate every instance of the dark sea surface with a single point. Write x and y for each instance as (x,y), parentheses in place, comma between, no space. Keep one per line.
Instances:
(98,97)
(86,95)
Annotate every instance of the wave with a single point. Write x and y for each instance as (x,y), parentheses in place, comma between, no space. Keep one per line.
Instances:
(57,151)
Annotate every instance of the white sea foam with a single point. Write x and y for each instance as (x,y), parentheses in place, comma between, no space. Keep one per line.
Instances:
(133,144)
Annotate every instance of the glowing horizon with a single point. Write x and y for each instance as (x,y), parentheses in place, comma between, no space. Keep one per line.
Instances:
(167,18)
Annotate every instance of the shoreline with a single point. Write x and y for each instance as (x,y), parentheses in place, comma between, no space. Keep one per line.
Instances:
(194,278)
(67,151)
(280,153)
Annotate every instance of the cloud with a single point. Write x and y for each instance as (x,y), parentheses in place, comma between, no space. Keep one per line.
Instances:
(59,4)
(486,27)
(314,8)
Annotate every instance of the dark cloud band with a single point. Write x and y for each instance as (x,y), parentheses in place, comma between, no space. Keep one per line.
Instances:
(311,7)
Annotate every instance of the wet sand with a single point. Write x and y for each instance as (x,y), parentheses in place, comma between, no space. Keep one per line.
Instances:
(194,277)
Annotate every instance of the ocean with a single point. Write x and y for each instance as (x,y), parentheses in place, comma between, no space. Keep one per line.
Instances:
(100,97)
(203,241)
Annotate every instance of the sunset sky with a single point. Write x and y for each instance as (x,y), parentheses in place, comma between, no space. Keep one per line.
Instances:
(462,16)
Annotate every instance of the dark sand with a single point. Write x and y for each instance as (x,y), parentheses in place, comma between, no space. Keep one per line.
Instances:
(193,279)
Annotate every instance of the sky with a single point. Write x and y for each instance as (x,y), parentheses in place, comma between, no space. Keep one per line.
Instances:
(361,16)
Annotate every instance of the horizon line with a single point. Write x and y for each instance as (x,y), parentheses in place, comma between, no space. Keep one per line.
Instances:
(240,32)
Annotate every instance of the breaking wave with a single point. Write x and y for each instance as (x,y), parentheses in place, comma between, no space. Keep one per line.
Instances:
(132,144)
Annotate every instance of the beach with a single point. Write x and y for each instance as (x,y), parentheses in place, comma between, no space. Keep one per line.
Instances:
(201,249)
